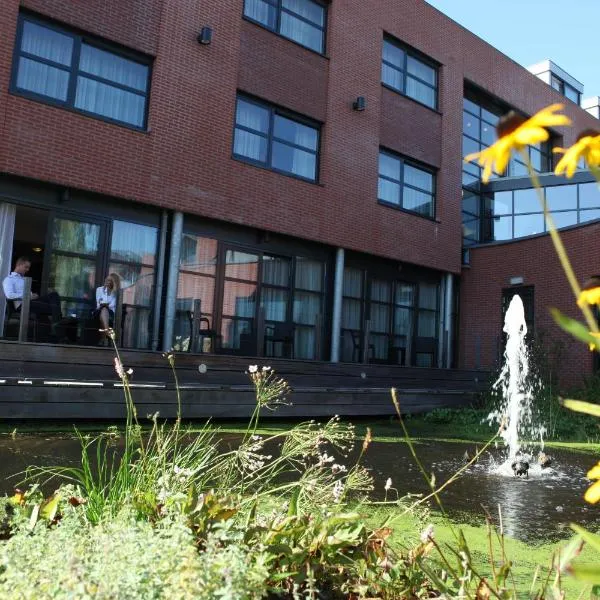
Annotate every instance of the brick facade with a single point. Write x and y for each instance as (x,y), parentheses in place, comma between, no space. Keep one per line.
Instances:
(535,260)
(184,162)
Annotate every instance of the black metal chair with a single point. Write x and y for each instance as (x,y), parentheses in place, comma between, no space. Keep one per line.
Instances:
(357,347)
(197,339)
(208,332)
(280,333)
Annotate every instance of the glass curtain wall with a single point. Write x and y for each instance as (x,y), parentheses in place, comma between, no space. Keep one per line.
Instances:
(480,117)
(514,214)
(389,307)
(289,290)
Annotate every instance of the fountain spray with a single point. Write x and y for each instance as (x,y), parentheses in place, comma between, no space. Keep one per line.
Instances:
(515,413)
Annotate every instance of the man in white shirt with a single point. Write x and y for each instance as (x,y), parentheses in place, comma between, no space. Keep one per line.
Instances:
(13,287)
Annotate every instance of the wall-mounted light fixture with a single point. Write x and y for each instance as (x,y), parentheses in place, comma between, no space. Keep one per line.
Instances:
(516,280)
(205,36)
(36,249)
(360,103)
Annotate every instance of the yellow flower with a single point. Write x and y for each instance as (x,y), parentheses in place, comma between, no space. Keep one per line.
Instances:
(515,133)
(590,293)
(592,494)
(587,147)
(594,346)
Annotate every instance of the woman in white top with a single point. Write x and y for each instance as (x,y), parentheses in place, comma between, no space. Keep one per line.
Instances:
(106,303)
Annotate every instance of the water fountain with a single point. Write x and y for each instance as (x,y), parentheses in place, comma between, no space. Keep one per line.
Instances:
(517,386)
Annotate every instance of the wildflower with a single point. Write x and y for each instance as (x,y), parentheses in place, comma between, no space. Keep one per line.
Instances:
(368,439)
(335,469)
(338,489)
(119,368)
(388,484)
(591,291)
(515,133)
(252,368)
(427,534)
(266,369)
(592,495)
(586,147)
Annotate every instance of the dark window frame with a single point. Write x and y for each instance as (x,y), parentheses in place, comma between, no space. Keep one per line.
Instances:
(415,165)
(418,56)
(274,111)
(79,38)
(279,8)
(560,85)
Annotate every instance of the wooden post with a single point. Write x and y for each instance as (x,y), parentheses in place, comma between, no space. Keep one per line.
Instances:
(118,318)
(25,304)
(365,345)
(195,333)
(318,335)
(260,332)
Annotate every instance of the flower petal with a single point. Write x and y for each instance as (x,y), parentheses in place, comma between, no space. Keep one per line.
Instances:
(592,494)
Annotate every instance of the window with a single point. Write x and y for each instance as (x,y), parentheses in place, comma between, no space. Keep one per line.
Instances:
(56,66)
(410,74)
(302,21)
(568,91)
(406,185)
(273,138)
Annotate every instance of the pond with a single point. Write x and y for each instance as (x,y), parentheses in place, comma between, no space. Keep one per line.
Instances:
(536,509)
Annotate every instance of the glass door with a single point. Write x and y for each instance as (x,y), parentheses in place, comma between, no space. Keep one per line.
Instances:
(73,266)
(239,303)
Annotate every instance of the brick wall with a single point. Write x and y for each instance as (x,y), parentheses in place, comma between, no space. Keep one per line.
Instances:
(184,160)
(535,260)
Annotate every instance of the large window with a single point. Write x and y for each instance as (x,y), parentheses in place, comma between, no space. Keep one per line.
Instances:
(568,91)
(409,73)
(302,21)
(518,213)
(406,185)
(275,139)
(57,66)
(480,118)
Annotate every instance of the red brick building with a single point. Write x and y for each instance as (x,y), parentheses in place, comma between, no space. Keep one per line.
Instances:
(294,165)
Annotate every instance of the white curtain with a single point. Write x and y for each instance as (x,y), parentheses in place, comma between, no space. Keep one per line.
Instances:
(105,99)
(261,11)
(7,230)
(247,143)
(39,77)
(300,30)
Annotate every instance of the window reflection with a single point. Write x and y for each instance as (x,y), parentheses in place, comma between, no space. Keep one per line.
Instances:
(589,195)
(561,197)
(528,225)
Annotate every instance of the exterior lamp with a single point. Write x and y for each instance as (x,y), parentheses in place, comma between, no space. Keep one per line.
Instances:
(360,103)
(205,36)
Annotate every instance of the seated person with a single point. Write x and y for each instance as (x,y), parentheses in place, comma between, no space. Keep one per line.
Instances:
(106,304)
(14,284)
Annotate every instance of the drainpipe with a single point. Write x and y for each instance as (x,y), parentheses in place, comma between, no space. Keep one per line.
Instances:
(172,279)
(160,275)
(448,319)
(338,288)
(441,324)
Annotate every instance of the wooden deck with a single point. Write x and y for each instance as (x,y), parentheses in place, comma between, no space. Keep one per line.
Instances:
(44,381)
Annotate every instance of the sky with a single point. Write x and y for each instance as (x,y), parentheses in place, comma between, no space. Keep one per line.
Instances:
(530,31)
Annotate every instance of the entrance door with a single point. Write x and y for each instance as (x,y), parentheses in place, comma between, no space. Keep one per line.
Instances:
(74,264)
(255,305)
(239,303)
